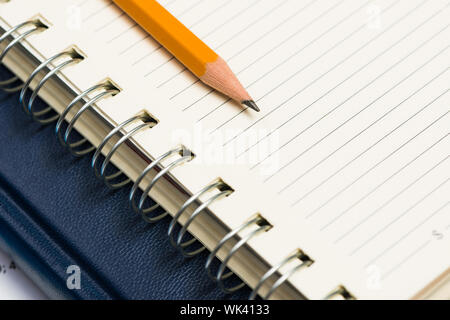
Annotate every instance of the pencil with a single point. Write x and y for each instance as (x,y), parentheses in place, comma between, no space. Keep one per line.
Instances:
(201,60)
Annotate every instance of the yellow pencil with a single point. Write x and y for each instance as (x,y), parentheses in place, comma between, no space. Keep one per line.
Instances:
(201,60)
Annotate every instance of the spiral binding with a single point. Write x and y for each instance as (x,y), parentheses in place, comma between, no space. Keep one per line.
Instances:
(74,57)
(186,155)
(225,191)
(108,90)
(147,122)
(341,292)
(298,254)
(222,242)
(37,26)
(262,226)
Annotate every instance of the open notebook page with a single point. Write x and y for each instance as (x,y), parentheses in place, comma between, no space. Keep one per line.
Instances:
(353,132)
(356,95)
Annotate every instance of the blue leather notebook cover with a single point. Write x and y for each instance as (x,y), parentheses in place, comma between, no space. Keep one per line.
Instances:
(54,213)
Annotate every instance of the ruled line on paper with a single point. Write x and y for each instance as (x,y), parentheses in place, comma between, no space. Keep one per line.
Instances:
(215,48)
(312,213)
(403,214)
(296,13)
(159,47)
(309,64)
(158,67)
(295,54)
(195,4)
(183,69)
(110,22)
(398,147)
(410,256)
(377,187)
(273,48)
(259,58)
(375,144)
(123,32)
(248,25)
(318,163)
(406,235)
(184,90)
(227,3)
(243,49)
(190,26)
(83,3)
(373,123)
(93,14)
(283,167)
(348,78)
(169,3)
(148,54)
(349,231)
(134,25)
(333,47)
(323,74)
(232,18)
(272,30)
(133,44)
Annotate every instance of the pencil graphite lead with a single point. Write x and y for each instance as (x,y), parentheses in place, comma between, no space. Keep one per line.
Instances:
(251,104)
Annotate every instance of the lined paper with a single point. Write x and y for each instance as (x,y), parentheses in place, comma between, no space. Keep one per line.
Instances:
(354,93)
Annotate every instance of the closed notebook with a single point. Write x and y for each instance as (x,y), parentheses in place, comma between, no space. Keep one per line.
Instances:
(338,188)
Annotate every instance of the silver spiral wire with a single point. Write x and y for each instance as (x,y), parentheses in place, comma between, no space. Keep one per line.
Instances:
(296,255)
(66,111)
(221,243)
(178,243)
(221,275)
(38,26)
(186,156)
(340,291)
(223,266)
(102,173)
(28,106)
(107,160)
(104,142)
(140,178)
(182,245)
(65,140)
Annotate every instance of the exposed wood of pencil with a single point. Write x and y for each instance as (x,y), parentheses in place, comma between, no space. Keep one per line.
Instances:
(186,47)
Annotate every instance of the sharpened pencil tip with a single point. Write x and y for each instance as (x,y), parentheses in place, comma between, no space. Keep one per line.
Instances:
(251,104)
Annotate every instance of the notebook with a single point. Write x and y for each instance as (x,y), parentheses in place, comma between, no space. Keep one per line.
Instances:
(97,233)
(338,188)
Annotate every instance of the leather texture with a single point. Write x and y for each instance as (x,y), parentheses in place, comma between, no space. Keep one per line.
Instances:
(54,213)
